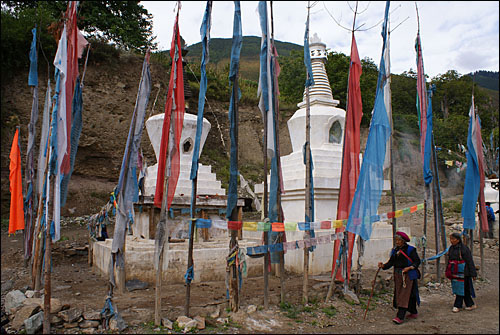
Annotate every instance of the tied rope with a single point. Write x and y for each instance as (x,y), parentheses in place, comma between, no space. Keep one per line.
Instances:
(188,277)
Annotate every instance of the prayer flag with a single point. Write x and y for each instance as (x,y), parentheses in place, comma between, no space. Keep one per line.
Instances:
(474,175)
(172,124)
(237,41)
(350,156)
(371,179)
(16,214)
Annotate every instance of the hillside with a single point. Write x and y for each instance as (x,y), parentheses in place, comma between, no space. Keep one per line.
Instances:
(108,103)
(486,79)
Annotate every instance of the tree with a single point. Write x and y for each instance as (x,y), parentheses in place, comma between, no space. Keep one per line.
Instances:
(124,23)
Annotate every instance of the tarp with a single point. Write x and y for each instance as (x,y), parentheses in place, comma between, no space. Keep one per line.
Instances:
(232,195)
(16,215)
(171,131)
(371,179)
(474,175)
(350,157)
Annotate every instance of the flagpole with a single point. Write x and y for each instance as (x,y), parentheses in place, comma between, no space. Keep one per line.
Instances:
(277,153)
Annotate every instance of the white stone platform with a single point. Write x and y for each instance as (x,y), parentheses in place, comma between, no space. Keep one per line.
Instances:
(209,260)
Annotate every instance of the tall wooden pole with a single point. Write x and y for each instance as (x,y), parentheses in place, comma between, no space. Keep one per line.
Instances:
(436,210)
(277,153)
(48,245)
(161,236)
(481,245)
(233,272)
(192,227)
(265,202)
(425,237)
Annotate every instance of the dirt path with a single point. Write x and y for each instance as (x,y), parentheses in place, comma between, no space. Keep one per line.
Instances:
(76,284)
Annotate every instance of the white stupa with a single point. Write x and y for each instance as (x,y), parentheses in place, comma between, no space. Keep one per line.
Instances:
(327,134)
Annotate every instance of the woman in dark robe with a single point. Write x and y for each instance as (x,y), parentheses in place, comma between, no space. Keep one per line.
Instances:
(405,260)
(462,283)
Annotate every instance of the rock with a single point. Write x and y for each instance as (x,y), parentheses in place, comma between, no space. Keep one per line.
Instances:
(29,294)
(7,285)
(62,288)
(222,320)
(117,324)
(216,313)
(89,330)
(55,304)
(31,301)
(200,322)
(182,321)
(14,299)
(351,297)
(70,315)
(88,324)
(190,325)
(34,323)
(24,313)
(25,288)
(167,323)
(251,309)
(135,284)
(92,315)
(55,320)
(71,325)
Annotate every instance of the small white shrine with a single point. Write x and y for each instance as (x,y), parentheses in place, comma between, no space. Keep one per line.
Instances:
(326,135)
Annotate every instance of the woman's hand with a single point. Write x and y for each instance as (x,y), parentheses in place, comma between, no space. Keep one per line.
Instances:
(380,264)
(408,268)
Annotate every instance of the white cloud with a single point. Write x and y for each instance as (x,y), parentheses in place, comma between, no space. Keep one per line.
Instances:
(462,36)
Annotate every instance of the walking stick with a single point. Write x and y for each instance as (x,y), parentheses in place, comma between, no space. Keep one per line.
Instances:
(371,294)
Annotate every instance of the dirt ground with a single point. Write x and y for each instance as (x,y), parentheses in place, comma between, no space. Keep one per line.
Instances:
(76,284)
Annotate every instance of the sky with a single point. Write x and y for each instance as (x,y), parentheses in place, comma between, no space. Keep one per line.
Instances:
(455,35)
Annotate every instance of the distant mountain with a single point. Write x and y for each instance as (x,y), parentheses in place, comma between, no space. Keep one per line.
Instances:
(486,79)
(220,53)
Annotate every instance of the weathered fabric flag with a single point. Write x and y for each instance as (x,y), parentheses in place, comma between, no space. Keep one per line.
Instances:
(371,178)
(474,175)
(42,155)
(30,152)
(172,124)
(205,41)
(16,214)
(232,196)
(127,190)
(350,162)
(422,110)
(58,140)
(264,90)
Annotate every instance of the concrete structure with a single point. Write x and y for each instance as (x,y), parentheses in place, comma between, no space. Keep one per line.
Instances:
(327,134)
(209,255)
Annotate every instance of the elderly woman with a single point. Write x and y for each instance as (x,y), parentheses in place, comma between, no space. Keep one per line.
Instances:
(462,278)
(405,260)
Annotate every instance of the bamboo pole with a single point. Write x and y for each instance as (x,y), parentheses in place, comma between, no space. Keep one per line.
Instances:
(425,237)
(161,235)
(47,284)
(233,281)
(265,201)
(192,227)
(481,245)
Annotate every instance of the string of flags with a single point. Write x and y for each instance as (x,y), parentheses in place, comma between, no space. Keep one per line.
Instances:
(299,226)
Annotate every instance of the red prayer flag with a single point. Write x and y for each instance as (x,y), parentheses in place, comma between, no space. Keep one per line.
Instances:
(175,104)
(350,162)
(16,217)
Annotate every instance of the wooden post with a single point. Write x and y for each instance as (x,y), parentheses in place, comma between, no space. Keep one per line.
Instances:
(308,200)
(240,218)
(425,236)
(47,284)
(265,201)
(334,274)
(192,228)
(481,245)
(161,234)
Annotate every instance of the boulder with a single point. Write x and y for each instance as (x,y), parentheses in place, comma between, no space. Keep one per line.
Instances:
(24,313)
(200,322)
(89,331)
(92,315)
(135,284)
(70,315)
(29,293)
(251,309)
(351,297)
(190,325)
(89,324)
(71,325)
(167,323)
(33,323)
(7,285)
(182,321)
(55,320)
(14,299)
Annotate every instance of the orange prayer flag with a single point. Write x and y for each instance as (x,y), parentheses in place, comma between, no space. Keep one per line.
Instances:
(16,219)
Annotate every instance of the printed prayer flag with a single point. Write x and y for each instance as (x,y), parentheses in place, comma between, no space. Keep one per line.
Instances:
(16,215)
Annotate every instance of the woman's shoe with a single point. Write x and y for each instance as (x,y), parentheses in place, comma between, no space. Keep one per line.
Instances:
(397,321)
(471,308)
(455,310)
